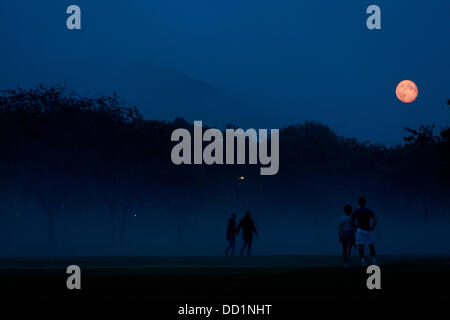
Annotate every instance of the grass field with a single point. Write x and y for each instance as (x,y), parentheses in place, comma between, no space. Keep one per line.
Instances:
(167,282)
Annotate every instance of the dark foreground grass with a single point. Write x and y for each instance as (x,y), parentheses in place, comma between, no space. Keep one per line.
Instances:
(286,282)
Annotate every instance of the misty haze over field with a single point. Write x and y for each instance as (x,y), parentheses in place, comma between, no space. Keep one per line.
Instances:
(405,227)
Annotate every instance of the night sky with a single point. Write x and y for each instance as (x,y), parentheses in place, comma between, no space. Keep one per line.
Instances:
(253,63)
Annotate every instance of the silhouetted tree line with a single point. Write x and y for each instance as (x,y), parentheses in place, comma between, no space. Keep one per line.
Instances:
(61,152)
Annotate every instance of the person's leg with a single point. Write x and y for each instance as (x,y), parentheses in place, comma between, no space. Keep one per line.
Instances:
(361,250)
(228,248)
(344,250)
(349,251)
(361,254)
(233,246)
(372,253)
(372,250)
(243,246)
(249,252)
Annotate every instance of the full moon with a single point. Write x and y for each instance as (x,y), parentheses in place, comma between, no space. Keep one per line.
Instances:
(407,91)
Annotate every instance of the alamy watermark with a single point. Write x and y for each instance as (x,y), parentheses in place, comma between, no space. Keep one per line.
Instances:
(213,153)
(74,280)
(374,20)
(374,280)
(73,22)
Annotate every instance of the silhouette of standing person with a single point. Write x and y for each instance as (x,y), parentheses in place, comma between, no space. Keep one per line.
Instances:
(361,220)
(248,228)
(231,234)
(346,234)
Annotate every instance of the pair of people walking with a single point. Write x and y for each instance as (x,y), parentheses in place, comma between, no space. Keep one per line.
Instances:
(363,220)
(248,229)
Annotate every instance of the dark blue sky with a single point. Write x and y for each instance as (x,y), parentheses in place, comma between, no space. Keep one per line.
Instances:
(255,63)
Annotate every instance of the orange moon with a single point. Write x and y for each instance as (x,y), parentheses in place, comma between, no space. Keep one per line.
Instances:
(407,91)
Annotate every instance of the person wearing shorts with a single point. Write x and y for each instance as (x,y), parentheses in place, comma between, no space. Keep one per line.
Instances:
(346,234)
(364,220)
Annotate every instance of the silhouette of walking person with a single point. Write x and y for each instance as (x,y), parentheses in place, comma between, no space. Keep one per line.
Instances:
(248,228)
(231,235)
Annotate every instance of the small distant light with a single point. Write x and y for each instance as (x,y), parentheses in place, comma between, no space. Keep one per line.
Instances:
(134,215)
(241,178)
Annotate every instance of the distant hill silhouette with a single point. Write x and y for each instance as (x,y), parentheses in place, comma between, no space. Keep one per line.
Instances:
(159,92)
